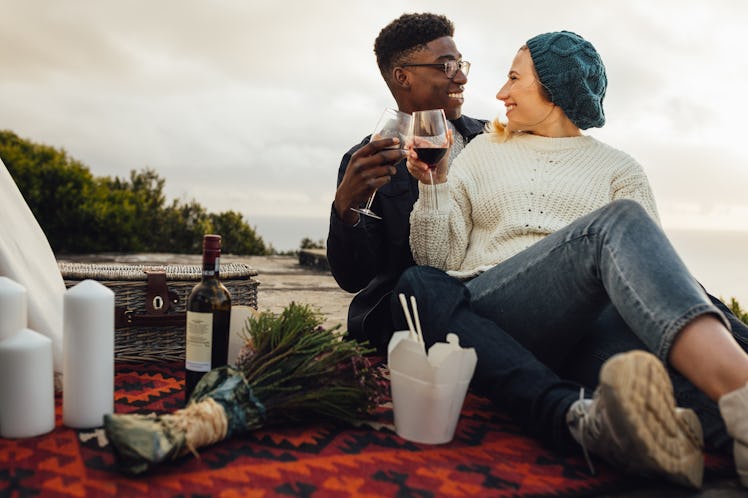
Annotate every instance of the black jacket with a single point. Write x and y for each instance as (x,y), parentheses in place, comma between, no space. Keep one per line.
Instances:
(369,258)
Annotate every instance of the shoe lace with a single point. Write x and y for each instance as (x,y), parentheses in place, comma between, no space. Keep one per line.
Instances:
(584,420)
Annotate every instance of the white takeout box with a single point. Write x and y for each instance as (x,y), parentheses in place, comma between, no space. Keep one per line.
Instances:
(428,390)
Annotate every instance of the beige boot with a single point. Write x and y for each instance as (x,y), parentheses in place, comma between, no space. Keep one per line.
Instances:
(632,422)
(734,409)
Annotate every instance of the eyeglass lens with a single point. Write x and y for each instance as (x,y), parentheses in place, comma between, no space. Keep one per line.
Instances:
(453,66)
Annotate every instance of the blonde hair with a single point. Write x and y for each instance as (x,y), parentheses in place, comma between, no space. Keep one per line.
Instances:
(498,131)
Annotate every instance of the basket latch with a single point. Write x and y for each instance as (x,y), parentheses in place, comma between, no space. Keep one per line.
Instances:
(159,299)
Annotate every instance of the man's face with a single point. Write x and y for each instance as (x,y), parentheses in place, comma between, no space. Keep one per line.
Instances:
(430,87)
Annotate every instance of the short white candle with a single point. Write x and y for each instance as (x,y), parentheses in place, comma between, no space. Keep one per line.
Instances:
(27,396)
(13,307)
(88,354)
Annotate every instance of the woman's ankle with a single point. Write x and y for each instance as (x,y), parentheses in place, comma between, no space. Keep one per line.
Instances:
(706,354)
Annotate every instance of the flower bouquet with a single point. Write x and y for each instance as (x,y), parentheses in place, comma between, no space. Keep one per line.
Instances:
(290,369)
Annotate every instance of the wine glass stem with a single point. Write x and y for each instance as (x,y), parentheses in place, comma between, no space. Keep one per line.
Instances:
(435,201)
(371,199)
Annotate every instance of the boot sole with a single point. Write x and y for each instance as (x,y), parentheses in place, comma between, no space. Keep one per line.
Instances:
(660,438)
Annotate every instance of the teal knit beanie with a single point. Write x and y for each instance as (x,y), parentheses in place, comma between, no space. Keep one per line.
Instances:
(571,70)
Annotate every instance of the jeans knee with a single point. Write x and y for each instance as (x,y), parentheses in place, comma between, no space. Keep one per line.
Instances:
(415,280)
(626,208)
(431,285)
(438,296)
(622,213)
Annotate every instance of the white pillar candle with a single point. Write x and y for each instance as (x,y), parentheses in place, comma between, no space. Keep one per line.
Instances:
(88,354)
(27,396)
(13,307)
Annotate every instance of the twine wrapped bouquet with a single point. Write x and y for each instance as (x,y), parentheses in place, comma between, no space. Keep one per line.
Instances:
(290,369)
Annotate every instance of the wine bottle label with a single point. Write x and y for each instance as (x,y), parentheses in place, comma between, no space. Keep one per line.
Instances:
(199,341)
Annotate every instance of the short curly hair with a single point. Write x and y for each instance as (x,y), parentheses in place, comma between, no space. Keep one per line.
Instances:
(406,34)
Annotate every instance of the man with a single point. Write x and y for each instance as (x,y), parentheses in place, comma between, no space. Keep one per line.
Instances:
(423,69)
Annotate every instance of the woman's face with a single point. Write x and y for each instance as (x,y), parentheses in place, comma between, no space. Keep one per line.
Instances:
(526,104)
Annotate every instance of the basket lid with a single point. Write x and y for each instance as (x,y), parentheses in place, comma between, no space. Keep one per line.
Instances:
(119,271)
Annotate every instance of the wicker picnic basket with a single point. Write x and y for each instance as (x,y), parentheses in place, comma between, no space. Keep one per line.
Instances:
(150,302)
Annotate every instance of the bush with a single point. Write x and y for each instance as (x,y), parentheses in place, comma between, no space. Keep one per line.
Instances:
(307,243)
(80,213)
(737,310)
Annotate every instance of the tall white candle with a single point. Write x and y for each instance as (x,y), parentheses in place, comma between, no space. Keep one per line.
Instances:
(27,396)
(88,354)
(13,307)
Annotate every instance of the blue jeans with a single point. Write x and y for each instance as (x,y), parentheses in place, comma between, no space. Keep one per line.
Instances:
(527,316)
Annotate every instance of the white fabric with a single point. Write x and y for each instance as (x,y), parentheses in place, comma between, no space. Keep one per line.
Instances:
(27,258)
(503,197)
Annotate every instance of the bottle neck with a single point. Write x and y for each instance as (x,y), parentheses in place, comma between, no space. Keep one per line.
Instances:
(211,264)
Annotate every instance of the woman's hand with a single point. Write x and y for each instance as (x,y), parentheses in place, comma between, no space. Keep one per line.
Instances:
(420,170)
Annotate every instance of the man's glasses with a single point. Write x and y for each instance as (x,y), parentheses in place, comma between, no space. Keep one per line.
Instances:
(450,68)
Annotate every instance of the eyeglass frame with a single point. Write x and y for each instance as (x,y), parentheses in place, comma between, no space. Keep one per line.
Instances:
(460,65)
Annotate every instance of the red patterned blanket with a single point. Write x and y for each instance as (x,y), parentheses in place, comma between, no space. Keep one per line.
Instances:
(486,458)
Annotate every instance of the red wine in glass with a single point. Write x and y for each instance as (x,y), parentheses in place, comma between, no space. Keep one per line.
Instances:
(430,155)
(428,133)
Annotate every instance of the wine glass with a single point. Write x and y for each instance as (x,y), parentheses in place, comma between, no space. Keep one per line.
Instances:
(392,124)
(428,134)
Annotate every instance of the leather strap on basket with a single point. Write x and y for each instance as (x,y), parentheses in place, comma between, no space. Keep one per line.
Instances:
(158,300)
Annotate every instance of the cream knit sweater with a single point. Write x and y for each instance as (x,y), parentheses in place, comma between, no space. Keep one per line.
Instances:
(503,197)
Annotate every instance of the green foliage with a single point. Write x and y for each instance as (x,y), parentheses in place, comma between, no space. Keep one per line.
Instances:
(237,236)
(737,310)
(297,368)
(307,243)
(80,213)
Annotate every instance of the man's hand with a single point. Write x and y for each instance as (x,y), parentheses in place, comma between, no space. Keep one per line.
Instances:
(370,167)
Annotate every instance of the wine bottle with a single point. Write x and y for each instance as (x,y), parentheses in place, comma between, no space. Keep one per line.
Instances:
(208,315)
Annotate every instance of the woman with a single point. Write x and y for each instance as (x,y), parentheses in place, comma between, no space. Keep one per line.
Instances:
(550,228)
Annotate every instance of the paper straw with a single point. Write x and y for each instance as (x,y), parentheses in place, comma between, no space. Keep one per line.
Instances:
(416,318)
(404,304)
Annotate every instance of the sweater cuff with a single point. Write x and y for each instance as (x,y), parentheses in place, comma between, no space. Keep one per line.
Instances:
(435,195)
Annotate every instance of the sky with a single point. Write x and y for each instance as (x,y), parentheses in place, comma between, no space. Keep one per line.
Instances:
(249,105)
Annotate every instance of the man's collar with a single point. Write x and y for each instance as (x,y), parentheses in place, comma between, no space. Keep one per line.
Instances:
(469,127)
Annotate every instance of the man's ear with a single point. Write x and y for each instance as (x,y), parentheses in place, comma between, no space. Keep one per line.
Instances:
(401,78)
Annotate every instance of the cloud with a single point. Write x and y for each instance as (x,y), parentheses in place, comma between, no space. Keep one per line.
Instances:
(251,105)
